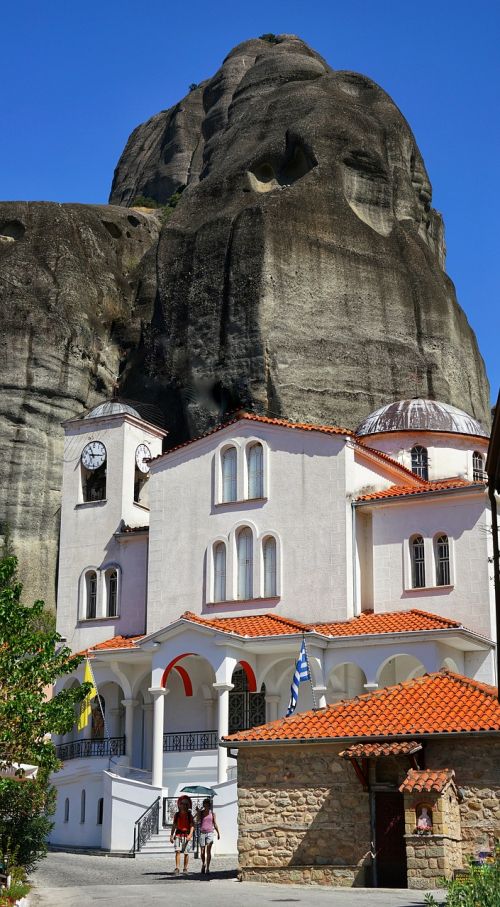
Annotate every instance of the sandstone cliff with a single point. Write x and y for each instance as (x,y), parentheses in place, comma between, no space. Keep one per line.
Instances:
(301,274)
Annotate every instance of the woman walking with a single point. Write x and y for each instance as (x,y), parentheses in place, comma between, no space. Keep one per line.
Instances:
(208,825)
(182,833)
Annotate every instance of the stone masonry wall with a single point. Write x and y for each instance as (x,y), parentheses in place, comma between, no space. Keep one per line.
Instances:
(430,857)
(476,761)
(303,816)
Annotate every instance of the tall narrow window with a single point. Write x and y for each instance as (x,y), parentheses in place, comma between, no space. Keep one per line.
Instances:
(100,810)
(229,474)
(419,462)
(417,562)
(477,467)
(66,809)
(112,593)
(82,806)
(220,572)
(245,563)
(269,555)
(442,561)
(91,590)
(255,464)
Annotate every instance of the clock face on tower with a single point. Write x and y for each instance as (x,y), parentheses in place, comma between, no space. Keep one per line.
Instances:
(93,455)
(142,453)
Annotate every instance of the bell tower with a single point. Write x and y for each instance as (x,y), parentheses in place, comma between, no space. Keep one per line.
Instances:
(105,522)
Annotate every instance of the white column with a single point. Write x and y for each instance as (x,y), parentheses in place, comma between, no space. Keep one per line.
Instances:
(147,735)
(223,690)
(320,696)
(272,702)
(158,694)
(370,687)
(128,705)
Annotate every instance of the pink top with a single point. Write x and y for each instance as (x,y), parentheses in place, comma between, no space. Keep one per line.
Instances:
(207,823)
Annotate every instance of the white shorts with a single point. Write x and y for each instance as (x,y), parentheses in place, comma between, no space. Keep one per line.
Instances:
(206,837)
(182,844)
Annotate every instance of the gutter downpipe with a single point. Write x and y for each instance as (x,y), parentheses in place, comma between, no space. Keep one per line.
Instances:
(354,556)
(496,572)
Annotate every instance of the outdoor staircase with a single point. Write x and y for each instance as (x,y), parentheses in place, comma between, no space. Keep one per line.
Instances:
(157,844)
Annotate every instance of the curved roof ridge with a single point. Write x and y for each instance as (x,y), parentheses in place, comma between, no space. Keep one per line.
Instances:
(420,414)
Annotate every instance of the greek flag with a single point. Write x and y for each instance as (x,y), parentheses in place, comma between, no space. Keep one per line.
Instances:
(301,673)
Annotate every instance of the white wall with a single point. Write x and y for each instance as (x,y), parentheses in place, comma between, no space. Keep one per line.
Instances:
(449,454)
(86,777)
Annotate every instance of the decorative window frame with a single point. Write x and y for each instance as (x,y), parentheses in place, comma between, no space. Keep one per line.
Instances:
(241,445)
(435,538)
(431,586)
(230,541)
(279,576)
(211,570)
(102,592)
(106,569)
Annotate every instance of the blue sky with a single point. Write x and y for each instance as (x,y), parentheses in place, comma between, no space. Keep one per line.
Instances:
(78,77)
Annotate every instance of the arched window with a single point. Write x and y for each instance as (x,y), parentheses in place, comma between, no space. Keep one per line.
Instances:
(229,474)
(419,462)
(82,806)
(66,809)
(100,810)
(417,562)
(219,572)
(477,467)
(91,594)
(245,563)
(269,557)
(255,465)
(112,593)
(442,561)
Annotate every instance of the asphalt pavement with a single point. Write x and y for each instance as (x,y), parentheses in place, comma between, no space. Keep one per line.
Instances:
(70,880)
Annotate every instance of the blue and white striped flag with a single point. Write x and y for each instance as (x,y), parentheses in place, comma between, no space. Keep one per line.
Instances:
(301,673)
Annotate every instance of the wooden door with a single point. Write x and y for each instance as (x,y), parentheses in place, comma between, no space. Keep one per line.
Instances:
(389,840)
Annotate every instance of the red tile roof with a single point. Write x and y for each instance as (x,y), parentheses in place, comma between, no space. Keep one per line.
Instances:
(369,623)
(433,704)
(388,459)
(398,491)
(117,642)
(427,780)
(376,750)
(265,420)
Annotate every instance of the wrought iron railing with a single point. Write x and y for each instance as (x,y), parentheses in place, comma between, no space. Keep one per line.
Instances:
(95,746)
(147,825)
(189,740)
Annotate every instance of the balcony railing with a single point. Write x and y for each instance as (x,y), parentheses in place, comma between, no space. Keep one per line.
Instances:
(95,746)
(189,740)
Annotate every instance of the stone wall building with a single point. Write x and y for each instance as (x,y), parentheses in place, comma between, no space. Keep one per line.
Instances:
(394,788)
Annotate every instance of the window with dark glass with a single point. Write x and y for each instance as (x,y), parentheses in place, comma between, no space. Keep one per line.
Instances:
(269,556)
(246,709)
(442,561)
(112,583)
(417,562)
(229,475)
(66,810)
(100,810)
(220,572)
(244,546)
(255,465)
(82,806)
(419,462)
(91,583)
(477,467)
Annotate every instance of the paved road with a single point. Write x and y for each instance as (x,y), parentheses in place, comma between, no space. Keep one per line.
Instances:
(70,880)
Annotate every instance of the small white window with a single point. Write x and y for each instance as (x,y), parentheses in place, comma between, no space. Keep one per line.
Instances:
(255,465)
(91,594)
(245,563)
(420,462)
(82,806)
(112,593)
(269,556)
(229,475)
(417,562)
(442,561)
(219,572)
(477,467)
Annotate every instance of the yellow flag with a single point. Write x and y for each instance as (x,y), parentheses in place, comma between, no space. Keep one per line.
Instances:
(85,710)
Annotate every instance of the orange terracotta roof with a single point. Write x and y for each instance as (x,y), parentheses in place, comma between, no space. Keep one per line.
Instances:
(377,750)
(117,642)
(388,459)
(398,491)
(391,622)
(265,420)
(433,704)
(254,625)
(427,780)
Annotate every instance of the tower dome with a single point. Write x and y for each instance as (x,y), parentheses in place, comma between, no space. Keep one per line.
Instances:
(419,414)
(111,408)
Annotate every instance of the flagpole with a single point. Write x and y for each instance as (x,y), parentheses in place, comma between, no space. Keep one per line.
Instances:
(310,675)
(104,722)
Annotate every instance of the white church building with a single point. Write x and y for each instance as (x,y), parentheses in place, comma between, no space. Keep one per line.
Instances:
(190,577)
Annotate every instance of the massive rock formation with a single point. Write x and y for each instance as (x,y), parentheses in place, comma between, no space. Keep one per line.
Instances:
(69,279)
(300,274)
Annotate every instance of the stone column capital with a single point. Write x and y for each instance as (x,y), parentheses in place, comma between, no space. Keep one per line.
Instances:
(156,692)
(272,697)
(223,687)
(129,702)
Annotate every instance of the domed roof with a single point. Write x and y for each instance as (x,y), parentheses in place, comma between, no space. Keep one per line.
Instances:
(111,408)
(420,415)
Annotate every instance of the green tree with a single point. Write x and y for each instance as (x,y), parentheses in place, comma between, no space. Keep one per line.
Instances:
(31,660)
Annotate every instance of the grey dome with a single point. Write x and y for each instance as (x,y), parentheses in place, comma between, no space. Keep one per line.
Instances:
(111,408)
(420,415)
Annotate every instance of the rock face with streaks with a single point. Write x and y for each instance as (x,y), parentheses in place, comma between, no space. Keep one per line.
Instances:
(70,286)
(301,273)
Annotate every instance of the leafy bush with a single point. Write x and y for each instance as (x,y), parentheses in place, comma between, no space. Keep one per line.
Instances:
(172,203)
(13,893)
(480,888)
(144,201)
(270,38)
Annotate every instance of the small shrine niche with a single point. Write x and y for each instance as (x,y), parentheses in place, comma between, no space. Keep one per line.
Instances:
(424,822)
